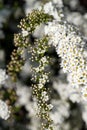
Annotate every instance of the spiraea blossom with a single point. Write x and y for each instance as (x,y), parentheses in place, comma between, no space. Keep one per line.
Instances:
(24,33)
(70,47)
(4,110)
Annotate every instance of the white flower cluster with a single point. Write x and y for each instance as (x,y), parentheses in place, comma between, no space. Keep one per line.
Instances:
(70,47)
(4,110)
(3,76)
(42,63)
(45,96)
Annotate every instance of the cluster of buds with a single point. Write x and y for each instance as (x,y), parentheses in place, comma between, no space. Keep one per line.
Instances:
(39,57)
(21,40)
(41,77)
(32,20)
(15,65)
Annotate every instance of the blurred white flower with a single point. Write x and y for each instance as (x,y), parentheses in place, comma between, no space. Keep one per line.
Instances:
(61,88)
(75,18)
(3,76)
(66,91)
(4,110)
(74,3)
(58,3)
(60,111)
(51,10)
(75,96)
(83,108)
(23,93)
(31,4)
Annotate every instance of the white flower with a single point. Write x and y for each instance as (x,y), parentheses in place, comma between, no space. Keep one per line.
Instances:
(45,96)
(43,60)
(44,93)
(55,31)
(25,33)
(75,96)
(40,86)
(50,106)
(4,110)
(3,76)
